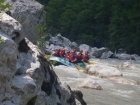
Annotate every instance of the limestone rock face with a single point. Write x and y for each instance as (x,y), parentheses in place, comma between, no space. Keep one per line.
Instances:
(26,77)
(30,14)
(10,27)
(61,42)
(8,59)
(103,70)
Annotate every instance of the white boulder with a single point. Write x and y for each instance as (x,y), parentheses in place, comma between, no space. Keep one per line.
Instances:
(103,70)
(90,84)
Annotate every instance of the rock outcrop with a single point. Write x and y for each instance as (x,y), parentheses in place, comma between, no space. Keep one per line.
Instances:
(123,56)
(61,42)
(26,77)
(30,14)
(98,53)
(85,47)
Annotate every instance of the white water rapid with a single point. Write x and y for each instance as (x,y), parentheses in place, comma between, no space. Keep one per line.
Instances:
(113,93)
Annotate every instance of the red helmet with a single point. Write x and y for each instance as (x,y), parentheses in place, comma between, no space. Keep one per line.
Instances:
(72,51)
(86,52)
(58,49)
(68,51)
(81,51)
(63,49)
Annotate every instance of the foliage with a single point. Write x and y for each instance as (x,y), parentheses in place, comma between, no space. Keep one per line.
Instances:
(109,23)
(4,7)
(1,40)
(40,31)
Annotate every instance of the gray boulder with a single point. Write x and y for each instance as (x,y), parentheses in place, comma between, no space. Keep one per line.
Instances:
(106,55)
(10,27)
(98,52)
(90,84)
(74,45)
(8,59)
(85,47)
(60,41)
(123,56)
(103,70)
(30,14)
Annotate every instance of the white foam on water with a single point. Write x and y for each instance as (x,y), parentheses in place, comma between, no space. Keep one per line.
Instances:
(123,93)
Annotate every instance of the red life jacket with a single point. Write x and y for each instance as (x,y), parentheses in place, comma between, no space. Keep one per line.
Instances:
(57,54)
(79,56)
(86,57)
(67,55)
(62,54)
(71,57)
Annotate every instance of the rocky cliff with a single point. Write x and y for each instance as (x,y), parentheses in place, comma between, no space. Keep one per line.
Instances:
(26,78)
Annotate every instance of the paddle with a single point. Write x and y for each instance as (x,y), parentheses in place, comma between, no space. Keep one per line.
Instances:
(47,56)
(90,62)
(78,67)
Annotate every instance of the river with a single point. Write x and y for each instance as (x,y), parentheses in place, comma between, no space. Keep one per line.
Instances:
(113,93)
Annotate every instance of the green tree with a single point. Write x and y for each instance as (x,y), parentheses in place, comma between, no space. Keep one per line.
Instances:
(109,23)
(124,27)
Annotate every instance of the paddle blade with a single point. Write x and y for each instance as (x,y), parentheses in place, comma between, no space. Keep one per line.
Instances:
(47,56)
(79,67)
(86,64)
(92,62)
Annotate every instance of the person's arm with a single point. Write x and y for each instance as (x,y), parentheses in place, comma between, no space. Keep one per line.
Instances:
(74,60)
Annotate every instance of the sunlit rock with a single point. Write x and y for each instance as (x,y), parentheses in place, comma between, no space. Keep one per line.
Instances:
(30,14)
(25,87)
(135,57)
(10,27)
(123,56)
(26,77)
(53,47)
(98,52)
(8,59)
(74,45)
(106,55)
(85,47)
(59,40)
(124,80)
(90,84)
(103,70)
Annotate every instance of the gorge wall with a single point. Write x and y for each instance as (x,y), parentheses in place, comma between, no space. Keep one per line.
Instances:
(26,77)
